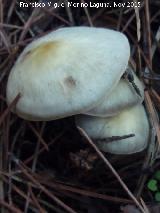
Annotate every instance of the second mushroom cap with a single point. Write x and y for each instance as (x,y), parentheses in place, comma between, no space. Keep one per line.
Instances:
(123,96)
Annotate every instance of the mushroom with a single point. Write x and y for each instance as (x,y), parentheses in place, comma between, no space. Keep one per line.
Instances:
(123,96)
(130,121)
(67,72)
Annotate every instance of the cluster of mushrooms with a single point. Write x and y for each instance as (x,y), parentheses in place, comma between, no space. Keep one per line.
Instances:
(78,71)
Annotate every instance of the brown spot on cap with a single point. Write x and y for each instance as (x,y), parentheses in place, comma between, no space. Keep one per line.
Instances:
(41,52)
(70,82)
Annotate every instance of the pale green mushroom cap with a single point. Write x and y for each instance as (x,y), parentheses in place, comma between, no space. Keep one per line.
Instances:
(130,121)
(123,96)
(67,72)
